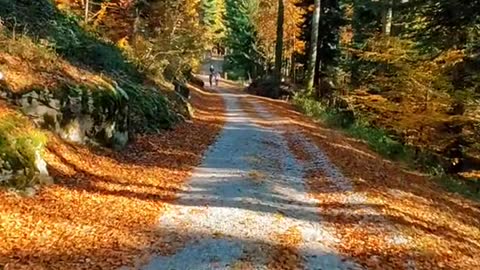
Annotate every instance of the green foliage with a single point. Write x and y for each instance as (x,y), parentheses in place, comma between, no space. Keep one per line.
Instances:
(63,36)
(234,73)
(208,9)
(41,19)
(242,38)
(449,24)
(453,185)
(376,138)
(381,142)
(331,20)
(149,109)
(366,20)
(146,110)
(18,147)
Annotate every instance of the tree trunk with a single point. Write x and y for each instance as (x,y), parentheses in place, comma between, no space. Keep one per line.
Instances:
(312,57)
(292,72)
(318,63)
(87,10)
(279,48)
(387,17)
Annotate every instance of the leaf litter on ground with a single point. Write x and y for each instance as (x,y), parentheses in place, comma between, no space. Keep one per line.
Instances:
(102,209)
(439,230)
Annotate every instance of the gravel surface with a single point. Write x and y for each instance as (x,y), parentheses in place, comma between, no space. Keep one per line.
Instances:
(248,190)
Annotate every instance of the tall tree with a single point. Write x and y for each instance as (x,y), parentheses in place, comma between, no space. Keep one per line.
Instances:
(328,51)
(293,18)
(207,12)
(279,47)
(387,17)
(312,57)
(87,10)
(242,38)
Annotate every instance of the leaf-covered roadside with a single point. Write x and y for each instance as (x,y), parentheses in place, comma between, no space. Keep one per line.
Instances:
(441,229)
(101,211)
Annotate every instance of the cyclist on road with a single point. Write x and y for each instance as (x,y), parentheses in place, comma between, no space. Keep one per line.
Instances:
(212,74)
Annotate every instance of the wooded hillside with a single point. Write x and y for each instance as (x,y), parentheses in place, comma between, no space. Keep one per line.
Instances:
(96,71)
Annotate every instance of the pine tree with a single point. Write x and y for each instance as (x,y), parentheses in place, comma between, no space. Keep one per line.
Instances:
(208,12)
(242,38)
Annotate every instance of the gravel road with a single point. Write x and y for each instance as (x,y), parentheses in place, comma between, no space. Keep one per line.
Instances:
(247,193)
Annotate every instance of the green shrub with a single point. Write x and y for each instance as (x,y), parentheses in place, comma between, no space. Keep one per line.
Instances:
(41,19)
(18,149)
(384,144)
(376,138)
(234,73)
(149,109)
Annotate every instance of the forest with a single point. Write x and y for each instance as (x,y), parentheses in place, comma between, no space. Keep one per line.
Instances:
(357,118)
(402,75)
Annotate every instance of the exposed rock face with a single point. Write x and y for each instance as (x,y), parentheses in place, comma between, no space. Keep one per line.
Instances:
(76,114)
(79,115)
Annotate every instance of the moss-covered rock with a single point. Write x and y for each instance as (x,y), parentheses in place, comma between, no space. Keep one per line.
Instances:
(21,152)
(79,114)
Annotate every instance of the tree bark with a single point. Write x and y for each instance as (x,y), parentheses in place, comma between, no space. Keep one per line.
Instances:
(279,48)
(87,10)
(387,17)
(318,60)
(310,80)
(293,71)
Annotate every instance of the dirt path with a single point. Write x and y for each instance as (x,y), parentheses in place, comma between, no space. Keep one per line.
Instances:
(247,205)
(276,191)
(269,189)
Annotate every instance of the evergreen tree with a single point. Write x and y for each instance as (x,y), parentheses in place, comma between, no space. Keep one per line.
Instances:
(331,20)
(241,38)
(208,12)
(212,16)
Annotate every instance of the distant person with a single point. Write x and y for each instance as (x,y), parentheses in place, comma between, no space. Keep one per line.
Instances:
(212,74)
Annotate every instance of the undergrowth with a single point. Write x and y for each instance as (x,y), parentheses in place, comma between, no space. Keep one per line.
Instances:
(376,138)
(19,146)
(42,20)
(40,34)
(380,141)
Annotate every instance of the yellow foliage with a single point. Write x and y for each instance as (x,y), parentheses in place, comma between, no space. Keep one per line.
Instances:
(101,14)
(291,31)
(123,43)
